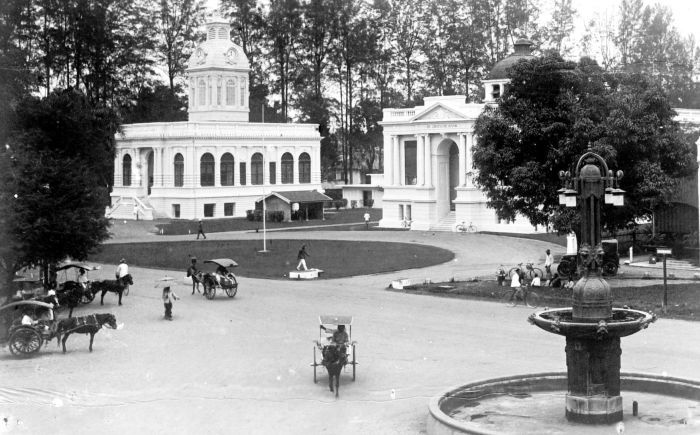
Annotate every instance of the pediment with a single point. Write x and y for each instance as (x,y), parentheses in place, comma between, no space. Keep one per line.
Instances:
(438,112)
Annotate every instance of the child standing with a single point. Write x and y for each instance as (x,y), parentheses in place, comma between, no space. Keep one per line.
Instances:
(168,297)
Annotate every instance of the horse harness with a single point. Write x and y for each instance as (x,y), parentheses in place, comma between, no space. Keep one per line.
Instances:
(80,322)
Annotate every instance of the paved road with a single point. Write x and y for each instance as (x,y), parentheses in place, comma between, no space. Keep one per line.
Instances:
(242,365)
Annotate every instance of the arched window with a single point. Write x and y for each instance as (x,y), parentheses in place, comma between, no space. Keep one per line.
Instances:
(256,169)
(206,170)
(230,93)
(287,168)
(179,169)
(202,97)
(227,166)
(304,168)
(126,170)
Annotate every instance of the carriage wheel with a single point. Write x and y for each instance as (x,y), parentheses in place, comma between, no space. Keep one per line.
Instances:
(314,364)
(354,363)
(610,268)
(87,296)
(231,291)
(25,341)
(566,268)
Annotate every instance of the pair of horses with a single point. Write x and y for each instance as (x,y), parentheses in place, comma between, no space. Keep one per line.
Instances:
(82,325)
(73,293)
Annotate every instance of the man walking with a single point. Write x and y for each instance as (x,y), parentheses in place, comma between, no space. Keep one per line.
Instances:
(201,231)
(548,261)
(301,256)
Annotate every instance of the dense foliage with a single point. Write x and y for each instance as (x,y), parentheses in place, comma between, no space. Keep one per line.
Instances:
(552,111)
(59,157)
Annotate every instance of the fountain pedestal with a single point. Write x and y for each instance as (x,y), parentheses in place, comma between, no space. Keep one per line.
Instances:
(593,372)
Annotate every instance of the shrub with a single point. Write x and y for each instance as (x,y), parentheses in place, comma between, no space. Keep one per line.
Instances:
(369,203)
(275,216)
(249,215)
(344,202)
(353,203)
(258,215)
(337,204)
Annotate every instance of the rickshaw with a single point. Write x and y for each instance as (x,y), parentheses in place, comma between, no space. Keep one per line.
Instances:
(26,339)
(68,284)
(327,326)
(227,283)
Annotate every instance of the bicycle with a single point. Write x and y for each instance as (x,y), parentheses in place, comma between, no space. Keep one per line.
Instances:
(462,228)
(529,273)
(529,297)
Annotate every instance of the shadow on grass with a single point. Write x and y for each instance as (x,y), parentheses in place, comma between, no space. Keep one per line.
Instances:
(337,258)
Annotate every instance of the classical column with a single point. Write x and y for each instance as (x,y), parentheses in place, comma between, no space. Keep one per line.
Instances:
(428,161)
(462,159)
(397,162)
(157,176)
(420,161)
(389,161)
(402,163)
(469,164)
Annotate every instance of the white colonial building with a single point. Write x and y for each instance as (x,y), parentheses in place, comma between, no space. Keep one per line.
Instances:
(217,164)
(428,167)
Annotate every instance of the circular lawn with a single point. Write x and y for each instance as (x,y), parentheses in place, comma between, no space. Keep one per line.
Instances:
(337,258)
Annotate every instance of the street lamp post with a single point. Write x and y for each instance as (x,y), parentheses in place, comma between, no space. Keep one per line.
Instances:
(591,184)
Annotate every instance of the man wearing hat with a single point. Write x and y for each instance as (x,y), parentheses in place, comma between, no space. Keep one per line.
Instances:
(200,230)
(122,270)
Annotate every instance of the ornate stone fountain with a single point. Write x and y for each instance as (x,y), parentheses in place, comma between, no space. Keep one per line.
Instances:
(593,329)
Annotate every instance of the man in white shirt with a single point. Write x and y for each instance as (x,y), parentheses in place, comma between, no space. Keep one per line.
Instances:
(122,270)
(548,261)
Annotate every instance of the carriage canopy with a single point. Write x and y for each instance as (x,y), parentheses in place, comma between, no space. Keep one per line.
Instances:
(25,304)
(334,320)
(225,262)
(86,267)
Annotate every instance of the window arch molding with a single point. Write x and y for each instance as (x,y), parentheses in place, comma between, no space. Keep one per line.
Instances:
(227,167)
(126,170)
(304,168)
(256,169)
(207,174)
(287,167)
(179,170)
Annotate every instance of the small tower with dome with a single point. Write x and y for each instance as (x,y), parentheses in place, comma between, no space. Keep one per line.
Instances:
(217,75)
(494,85)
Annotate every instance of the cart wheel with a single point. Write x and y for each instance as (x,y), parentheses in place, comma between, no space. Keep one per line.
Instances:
(610,268)
(209,290)
(315,365)
(231,291)
(87,297)
(354,363)
(25,341)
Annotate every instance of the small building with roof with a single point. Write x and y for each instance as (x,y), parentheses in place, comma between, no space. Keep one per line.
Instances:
(299,204)
(216,164)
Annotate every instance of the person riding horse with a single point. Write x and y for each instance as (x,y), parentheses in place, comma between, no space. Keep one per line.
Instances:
(122,271)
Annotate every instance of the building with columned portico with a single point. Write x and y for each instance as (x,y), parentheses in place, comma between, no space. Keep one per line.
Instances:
(216,164)
(428,167)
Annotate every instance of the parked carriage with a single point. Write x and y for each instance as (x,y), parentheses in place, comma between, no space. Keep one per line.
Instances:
(69,283)
(223,281)
(326,347)
(26,339)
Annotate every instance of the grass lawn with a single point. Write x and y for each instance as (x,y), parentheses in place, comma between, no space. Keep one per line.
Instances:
(333,217)
(336,258)
(683,299)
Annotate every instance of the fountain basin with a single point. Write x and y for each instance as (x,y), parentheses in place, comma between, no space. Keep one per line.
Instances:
(521,404)
(623,322)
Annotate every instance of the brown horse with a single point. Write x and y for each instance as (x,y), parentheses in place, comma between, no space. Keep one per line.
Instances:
(112,285)
(334,359)
(83,325)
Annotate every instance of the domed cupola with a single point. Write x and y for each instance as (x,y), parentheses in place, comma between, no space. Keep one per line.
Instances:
(498,77)
(218,77)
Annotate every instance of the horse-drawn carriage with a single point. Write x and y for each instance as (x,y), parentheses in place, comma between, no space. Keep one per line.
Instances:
(336,347)
(26,338)
(71,286)
(221,278)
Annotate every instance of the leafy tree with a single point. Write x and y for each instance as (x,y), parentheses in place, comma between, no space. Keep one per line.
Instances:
(551,112)
(156,104)
(561,26)
(177,25)
(61,153)
(284,32)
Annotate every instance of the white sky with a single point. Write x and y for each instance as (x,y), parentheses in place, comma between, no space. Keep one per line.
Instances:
(686,13)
